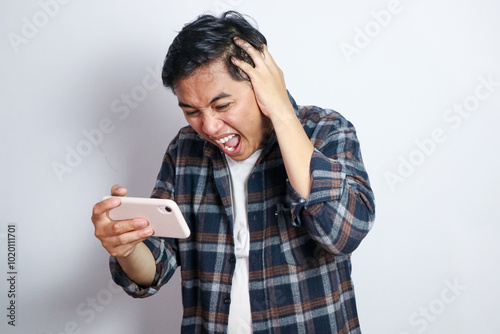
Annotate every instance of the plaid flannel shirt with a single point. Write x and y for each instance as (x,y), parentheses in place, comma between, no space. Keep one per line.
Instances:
(299,261)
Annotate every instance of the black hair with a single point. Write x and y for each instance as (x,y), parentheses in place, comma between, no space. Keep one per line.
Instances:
(208,39)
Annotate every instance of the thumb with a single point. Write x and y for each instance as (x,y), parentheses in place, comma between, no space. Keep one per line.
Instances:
(118,190)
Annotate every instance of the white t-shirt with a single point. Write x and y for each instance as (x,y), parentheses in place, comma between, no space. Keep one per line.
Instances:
(240,319)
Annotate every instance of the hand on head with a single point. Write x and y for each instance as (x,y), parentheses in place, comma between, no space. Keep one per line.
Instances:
(267,80)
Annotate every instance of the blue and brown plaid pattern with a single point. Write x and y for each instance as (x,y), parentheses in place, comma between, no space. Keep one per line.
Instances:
(299,262)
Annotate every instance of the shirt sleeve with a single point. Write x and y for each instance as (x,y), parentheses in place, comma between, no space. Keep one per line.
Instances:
(166,263)
(164,250)
(340,209)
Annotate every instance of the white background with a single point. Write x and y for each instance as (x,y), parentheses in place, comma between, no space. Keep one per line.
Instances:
(431,262)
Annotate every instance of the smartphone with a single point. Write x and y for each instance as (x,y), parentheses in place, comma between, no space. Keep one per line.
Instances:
(163,215)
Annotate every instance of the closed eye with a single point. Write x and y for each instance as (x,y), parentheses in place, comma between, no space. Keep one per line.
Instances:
(223,107)
(191,113)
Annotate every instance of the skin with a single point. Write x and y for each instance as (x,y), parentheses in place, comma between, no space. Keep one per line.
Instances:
(216,106)
(270,93)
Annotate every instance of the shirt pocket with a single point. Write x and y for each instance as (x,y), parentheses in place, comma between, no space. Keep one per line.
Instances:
(297,246)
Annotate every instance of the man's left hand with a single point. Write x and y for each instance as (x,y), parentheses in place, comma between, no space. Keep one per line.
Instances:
(267,80)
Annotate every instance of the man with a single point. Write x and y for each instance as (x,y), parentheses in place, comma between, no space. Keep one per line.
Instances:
(276,196)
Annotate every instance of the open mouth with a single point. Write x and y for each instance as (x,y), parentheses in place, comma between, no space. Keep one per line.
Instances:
(229,143)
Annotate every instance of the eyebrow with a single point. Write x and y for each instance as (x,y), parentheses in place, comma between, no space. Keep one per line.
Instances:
(218,97)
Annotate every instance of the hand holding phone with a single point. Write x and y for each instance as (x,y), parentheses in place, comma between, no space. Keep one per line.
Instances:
(163,215)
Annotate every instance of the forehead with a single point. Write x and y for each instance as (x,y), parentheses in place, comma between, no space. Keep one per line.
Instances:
(206,80)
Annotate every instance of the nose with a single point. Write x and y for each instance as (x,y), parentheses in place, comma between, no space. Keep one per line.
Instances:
(211,124)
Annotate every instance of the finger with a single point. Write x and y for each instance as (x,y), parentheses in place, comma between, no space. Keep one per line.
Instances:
(245,45)
(131,238)
(117,227)
(100,209)
(118,190)
(243,65)
(123,250)
(255,54)
(267,56)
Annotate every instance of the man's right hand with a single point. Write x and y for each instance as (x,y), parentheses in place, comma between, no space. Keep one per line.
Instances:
(119,237)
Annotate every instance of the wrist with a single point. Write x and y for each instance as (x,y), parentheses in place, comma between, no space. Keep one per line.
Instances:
(131,254)
(284,119)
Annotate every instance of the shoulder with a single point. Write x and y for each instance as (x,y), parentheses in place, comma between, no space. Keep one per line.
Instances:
(186,138)
(186,146)
(187,133)
(316,119)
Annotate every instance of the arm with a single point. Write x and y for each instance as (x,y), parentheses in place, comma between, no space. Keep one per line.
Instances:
(329,187)
(124,240)
(165,251)
(340,209)
(270,92)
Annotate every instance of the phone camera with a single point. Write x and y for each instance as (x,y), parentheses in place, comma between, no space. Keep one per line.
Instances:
(167,208)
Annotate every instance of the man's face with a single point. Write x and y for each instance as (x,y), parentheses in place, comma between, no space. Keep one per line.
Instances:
(223,110)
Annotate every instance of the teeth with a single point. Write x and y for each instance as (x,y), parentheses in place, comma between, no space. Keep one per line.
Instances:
(230,149)
(224,140)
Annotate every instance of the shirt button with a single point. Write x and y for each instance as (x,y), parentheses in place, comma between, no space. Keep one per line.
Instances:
(232,259)
(227,300)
